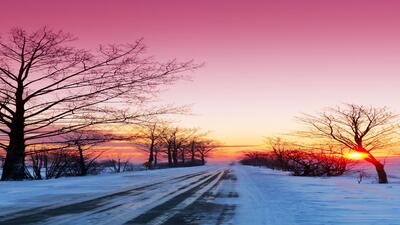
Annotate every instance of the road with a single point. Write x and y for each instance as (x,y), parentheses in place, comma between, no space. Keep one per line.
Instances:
(186,199)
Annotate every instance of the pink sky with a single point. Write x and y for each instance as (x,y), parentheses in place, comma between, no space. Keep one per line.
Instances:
(265,61)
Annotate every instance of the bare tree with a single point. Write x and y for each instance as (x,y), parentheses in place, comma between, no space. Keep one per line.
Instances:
(118,165)
(186,144)
(280,148)
(361,129)
(204,148)
(38,161)
(177,142)
(49,88)
(81,147)
(172,143)
(151,136)
(193,145)
(193,142)
(54,164)
(301,161)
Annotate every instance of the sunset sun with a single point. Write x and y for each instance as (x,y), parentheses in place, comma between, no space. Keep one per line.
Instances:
(355,155)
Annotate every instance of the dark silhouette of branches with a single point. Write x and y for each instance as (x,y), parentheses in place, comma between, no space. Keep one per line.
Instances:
(300,161)
(180,146)
(359,128)
(205,147)
(50,88)
(151,137)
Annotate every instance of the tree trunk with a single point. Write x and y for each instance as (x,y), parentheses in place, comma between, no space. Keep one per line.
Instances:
(169,156)
(155,158)
(192,158)
(14,165)
(203,161)
(380,169)
(175,156)
(119,166)
(82,162)
(192,151)
(151,154)
(382,177)
(46,169)
(37,161)
(183,157)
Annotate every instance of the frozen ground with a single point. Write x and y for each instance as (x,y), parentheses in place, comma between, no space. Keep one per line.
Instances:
(273,198)
(221,194)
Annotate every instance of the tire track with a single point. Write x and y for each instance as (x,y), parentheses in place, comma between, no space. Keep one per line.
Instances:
(216,206)
(41,214)
(163,212)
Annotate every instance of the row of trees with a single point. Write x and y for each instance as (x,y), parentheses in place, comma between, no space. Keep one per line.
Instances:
(347,128)
(50,89)
(166,146)
(300,161)
(180,146)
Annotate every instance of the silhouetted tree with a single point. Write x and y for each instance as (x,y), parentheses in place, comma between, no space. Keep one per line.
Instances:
(117,165)
(173,141)
(204,148)
(81,147)
(193,142)
(55,163)
(193,145)
(38,161)
(323,160)
(49,88)
(151,136)
(185,143)
(359,128)
(169,138)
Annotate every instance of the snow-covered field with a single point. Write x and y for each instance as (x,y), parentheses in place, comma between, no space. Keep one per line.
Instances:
(219,194)
(274,198)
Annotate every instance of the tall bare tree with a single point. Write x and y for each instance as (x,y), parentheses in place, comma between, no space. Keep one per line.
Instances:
(151,136)
(185,143)
(204,148)
(193,142)
(172,137)
(360,128)
(48,88)
(192,149)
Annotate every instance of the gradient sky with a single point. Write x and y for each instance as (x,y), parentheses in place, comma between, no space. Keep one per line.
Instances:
(265,61)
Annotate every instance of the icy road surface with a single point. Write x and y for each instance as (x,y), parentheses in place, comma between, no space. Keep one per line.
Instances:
(161,201)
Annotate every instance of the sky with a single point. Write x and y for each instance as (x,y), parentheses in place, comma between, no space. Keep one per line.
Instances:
(265,61)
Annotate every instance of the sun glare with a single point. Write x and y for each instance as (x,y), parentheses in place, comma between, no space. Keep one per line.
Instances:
(355,155)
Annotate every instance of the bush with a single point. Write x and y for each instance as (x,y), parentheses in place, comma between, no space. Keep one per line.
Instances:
(300,162)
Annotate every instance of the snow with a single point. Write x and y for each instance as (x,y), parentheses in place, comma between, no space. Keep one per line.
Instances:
(20,195)
(121,209)
(273,197)
(264,196)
